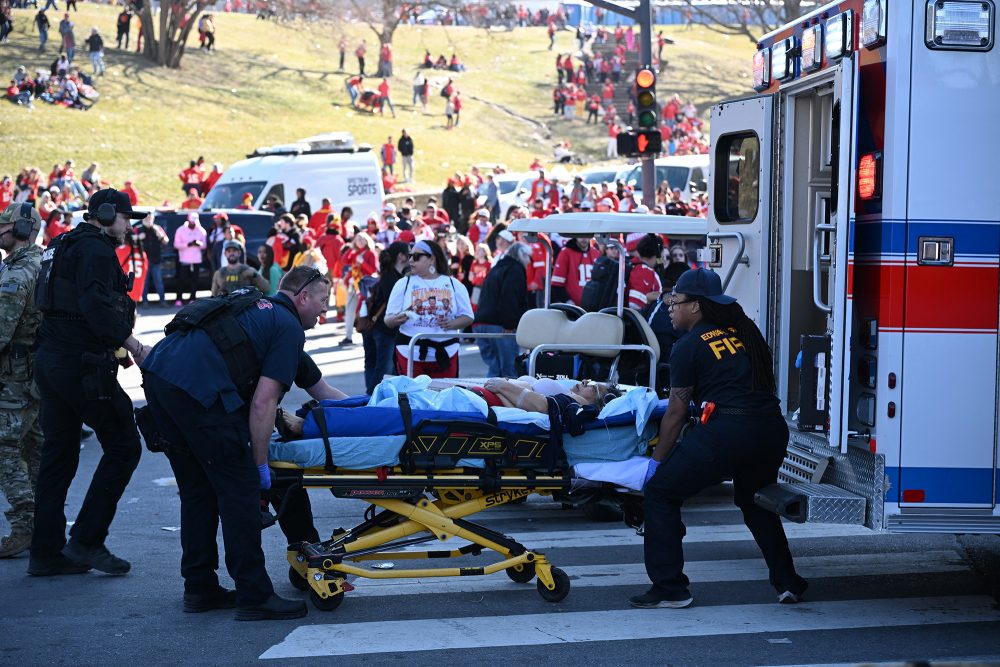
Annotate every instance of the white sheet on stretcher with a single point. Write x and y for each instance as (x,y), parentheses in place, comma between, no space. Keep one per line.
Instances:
(630,473)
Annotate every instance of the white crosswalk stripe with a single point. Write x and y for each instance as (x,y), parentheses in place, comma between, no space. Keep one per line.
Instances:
(634,574)
(630,624)
(612,620)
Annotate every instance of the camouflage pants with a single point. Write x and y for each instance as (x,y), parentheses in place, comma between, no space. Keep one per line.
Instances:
(20,452)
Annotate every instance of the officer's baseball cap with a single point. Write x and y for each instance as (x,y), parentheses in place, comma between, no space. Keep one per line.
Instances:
(702,283)
(20,211)
(117,199)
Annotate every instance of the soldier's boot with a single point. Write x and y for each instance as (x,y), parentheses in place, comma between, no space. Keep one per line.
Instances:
(17,542)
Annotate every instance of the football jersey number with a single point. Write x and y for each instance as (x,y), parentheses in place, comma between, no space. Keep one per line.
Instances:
(585,270)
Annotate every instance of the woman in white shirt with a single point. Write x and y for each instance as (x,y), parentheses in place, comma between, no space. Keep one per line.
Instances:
(428,300)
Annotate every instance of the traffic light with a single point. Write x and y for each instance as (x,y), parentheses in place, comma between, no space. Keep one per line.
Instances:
(646,107)
(635,143)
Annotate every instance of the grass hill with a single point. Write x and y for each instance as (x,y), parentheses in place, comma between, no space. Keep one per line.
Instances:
(271,83)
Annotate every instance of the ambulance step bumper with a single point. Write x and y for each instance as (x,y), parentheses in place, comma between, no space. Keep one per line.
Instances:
(815,503)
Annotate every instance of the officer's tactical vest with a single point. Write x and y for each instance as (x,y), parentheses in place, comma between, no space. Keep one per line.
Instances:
(216,316)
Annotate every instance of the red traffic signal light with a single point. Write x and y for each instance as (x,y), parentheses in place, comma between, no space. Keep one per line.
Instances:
(634,143)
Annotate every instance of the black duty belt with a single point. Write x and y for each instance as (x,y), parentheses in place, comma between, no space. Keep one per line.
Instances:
(745,412)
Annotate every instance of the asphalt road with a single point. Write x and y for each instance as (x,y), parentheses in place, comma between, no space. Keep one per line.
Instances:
(873,597)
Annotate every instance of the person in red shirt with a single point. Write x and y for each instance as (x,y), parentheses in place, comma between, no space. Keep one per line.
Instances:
(6,192)
(193,201)
(536,164)
(388,154)
(60,222)
(212,177)
(317,223)
(354,85)
(538,209)
(456,103)
(383,92)
(388,180)
(190,178)
(539,186)
(643,282)
(572,270)
(613,131)
(131,192)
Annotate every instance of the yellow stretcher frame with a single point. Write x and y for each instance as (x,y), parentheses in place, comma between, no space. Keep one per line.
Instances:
(322,568)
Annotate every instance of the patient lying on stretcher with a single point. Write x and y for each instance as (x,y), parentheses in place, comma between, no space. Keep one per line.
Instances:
(526,394)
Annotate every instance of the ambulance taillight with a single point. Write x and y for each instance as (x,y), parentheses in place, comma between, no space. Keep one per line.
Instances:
(869,176)
(839,35)
(762,69)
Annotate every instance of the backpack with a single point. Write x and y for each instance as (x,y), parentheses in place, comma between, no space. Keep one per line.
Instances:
(216,316)
(602,290)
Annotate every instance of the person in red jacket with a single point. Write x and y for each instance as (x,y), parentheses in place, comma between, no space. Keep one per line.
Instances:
(572,270)
(643,282)
(193,201)
(317,222)
(456,103)
(131,192)
(212,177)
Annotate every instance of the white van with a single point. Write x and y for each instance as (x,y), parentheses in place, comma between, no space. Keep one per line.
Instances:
(681,171)
(326,165)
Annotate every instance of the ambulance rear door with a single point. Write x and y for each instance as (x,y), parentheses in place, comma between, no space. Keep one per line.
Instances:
(739,218)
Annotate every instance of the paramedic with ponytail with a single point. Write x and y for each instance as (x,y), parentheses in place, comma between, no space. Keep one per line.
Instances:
(428,300)
(724,365)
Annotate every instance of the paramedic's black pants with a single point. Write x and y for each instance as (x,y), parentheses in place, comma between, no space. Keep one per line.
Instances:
(295,515)
(216,479)
(748,450)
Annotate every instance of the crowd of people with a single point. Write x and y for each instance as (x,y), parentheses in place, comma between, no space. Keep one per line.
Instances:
(587,88)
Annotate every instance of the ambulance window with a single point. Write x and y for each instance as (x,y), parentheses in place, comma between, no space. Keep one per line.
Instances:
(737,177)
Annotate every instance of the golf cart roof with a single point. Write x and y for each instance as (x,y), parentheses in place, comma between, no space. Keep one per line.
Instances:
(675,226)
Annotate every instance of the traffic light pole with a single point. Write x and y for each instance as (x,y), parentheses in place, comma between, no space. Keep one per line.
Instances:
(642,15)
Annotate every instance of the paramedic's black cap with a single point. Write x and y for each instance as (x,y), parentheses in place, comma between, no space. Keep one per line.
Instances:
(117,199)
(703,283)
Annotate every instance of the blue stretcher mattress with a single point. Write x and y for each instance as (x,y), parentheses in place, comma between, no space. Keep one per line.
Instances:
(369,437)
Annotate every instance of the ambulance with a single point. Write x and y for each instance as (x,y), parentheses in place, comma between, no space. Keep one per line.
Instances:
(855,215)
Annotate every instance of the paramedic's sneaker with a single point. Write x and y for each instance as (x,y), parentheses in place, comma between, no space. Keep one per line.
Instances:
(97,557)
(653,599)
(49,567)
(274,608)
(791,597)
(220,598)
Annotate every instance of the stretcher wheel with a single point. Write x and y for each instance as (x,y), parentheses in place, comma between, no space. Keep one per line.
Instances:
(297,580)
(561,590)
(522,576)
(327,604)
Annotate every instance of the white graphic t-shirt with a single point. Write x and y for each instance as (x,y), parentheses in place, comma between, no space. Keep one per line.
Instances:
(427,305)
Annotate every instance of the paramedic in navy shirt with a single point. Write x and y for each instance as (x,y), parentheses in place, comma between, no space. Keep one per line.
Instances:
(723,360)
(219,443)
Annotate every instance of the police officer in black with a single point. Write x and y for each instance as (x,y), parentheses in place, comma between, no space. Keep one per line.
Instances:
(724,365)
(87,316)
(219,435)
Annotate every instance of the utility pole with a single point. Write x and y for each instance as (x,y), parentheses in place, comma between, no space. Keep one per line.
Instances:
(642,14)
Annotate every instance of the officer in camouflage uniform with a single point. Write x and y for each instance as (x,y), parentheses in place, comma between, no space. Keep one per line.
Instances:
(20,433)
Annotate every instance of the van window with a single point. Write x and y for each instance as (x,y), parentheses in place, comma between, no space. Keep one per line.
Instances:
(737,177)
(698,178)
(230,195)
(676,177)
(277,191)
(506,187)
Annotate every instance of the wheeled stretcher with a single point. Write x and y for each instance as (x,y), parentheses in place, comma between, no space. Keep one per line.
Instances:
(423,484)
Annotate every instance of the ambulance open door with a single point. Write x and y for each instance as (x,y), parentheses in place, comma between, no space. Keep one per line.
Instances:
(841,226)
(740,213)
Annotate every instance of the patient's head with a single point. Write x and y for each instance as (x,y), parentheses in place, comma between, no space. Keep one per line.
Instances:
(595,393)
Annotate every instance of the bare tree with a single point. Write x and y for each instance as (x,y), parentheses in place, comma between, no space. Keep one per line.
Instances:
(748,18)
(165,37)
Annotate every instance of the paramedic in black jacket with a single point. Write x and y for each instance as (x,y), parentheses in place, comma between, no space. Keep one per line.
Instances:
(87,315)
(219,442)
(503,299)
(724,365)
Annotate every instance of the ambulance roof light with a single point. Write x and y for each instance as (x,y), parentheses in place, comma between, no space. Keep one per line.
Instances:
(960,25)
(839,35)
(874,24)
(783,55)
(762,69)
(812,48)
